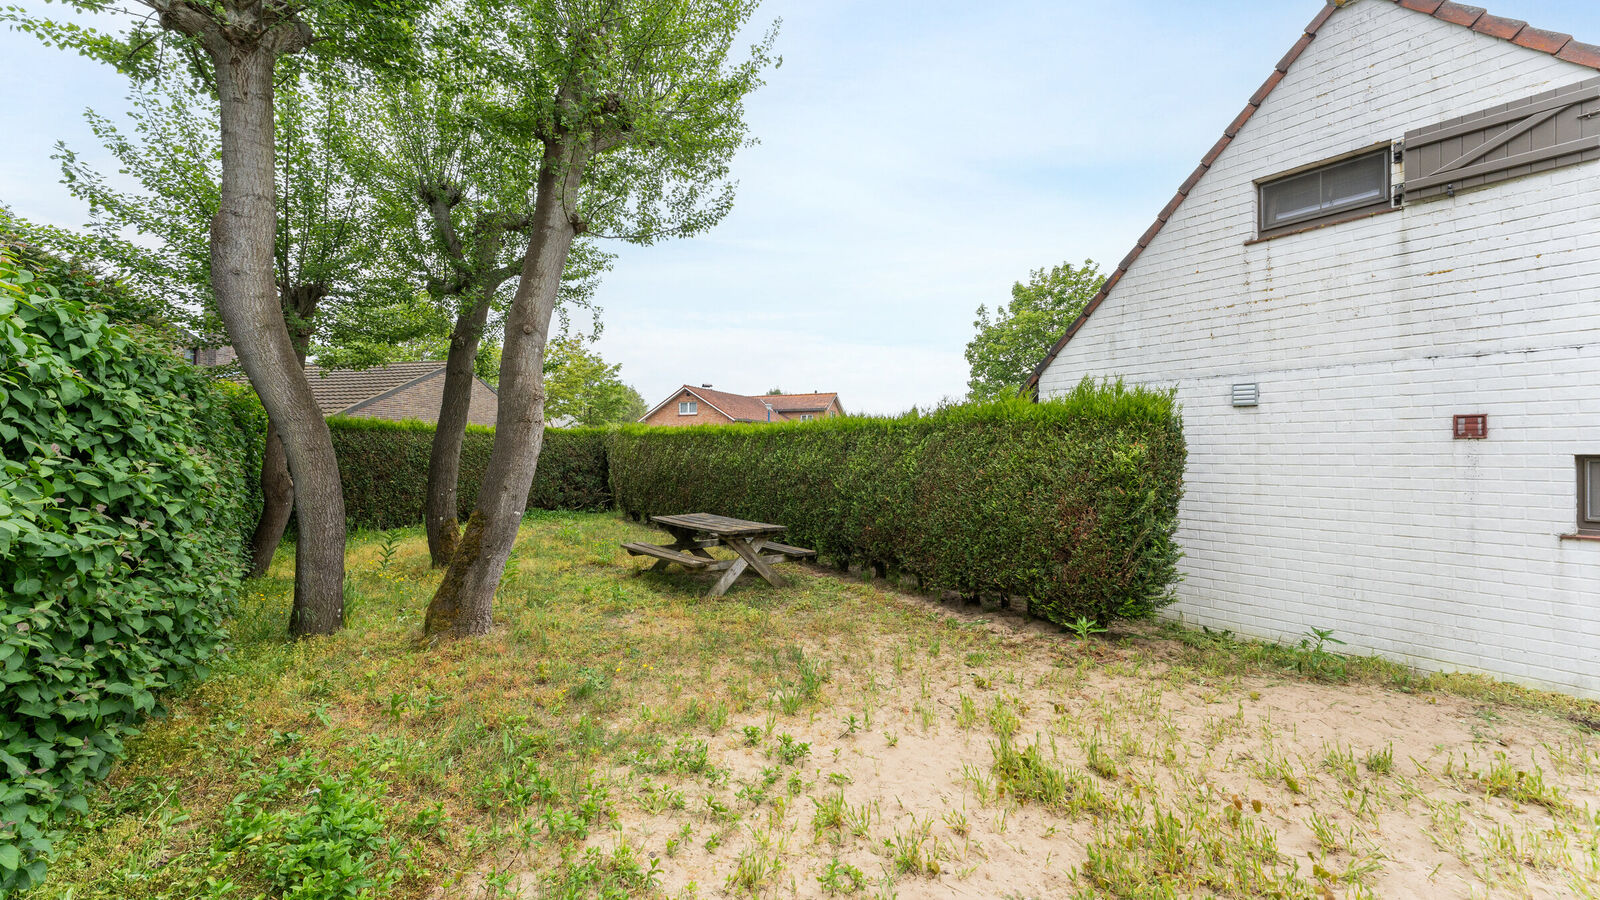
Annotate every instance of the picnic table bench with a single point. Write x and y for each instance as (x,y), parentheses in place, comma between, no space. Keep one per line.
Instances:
(695,533)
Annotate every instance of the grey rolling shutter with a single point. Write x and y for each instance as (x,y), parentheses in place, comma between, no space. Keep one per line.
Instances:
(1545,131)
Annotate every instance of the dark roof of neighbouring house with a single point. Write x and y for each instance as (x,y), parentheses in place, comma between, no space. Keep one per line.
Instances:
(1557,44)
(342,390)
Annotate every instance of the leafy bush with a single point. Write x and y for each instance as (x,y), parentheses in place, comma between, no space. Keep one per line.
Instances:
(122,486)
(384,469)
(1070,503)
(315,834)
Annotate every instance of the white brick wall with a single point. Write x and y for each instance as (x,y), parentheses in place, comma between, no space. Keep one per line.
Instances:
(1342,501)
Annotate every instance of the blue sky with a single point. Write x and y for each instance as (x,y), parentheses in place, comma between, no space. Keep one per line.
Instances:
(915,159)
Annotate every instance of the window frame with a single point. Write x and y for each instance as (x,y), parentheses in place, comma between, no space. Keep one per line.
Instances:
(806,417)
(1383,152)
(1588,483)
(688,408)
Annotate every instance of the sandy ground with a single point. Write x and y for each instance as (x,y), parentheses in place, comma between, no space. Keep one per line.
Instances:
(1478,801)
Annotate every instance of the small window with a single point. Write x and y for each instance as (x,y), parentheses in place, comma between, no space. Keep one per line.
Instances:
(688,408)
(1589,495)
(1338,189)
(805,417)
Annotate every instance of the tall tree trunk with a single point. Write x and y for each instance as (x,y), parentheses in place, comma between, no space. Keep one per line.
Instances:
(441,502)
(464,603)
(277,488)
(242,239)
(277,502)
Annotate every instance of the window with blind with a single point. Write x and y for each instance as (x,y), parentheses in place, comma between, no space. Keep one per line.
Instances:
(688,408)
(1331,191)
(1589,495)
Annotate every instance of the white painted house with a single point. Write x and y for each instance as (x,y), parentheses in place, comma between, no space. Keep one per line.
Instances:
(1402,227)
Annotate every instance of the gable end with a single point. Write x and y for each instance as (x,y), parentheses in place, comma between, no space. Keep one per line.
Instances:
(1557,44)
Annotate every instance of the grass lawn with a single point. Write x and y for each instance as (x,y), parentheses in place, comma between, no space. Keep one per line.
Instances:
(620,736)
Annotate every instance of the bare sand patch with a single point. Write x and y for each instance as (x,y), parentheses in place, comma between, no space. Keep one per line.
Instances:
(977,754)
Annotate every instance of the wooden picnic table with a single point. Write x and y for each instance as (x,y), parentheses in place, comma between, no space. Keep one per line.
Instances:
(694,533)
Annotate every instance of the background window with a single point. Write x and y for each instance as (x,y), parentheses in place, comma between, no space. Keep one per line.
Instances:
(1336,189)
(1589,495)
(688,408)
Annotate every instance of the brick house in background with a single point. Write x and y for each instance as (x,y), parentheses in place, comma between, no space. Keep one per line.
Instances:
(1376,299)
(405,390)
(704,406)
(397,391)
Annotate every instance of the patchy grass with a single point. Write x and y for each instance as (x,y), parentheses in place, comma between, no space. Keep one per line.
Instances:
(619,735)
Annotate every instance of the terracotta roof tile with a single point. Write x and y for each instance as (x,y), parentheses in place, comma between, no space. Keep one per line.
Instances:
(1295,51)
(741,407)
(737,407)
(1498,26)
(1170,208)
(1321,18)
(1237,124)
(1458,13)
(1581,53)
(1192,180)
(800,402)
(1541,40)
(1266,87)
(1556,43)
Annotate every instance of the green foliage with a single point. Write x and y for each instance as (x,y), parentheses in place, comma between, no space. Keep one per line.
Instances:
(579,384)
(1007,348)
(1071,504)
(72,264)
(1313,658)
(383,467)
(314,834)
(336,283)
(122,507)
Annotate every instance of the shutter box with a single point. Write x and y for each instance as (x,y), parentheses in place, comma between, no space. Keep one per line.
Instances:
(1546,131)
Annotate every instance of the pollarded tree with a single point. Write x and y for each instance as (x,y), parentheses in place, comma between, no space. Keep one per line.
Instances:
(326,233)
(638,110)
(461,198)
(234,47)
(1005,349)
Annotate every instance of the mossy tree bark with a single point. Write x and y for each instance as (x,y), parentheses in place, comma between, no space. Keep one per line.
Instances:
(463,605)
(475,281)
(441,500)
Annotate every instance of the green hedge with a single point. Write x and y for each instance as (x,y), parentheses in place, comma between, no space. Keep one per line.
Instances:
(123,500)
(384,469)
(1071,503)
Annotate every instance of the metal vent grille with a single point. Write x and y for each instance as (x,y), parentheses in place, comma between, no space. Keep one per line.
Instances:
(1246,394)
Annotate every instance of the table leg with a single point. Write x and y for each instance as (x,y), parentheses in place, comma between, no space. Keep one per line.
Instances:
(750,551)
(728,578)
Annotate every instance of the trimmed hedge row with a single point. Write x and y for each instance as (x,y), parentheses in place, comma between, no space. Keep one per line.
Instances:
(1070,503)
(384,469)
(123,505)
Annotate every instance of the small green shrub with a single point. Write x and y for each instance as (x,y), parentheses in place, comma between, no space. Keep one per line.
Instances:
(314,834)
(122,508)
(384,469)
(1071,504)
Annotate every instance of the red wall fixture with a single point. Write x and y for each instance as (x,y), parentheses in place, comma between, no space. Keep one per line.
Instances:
(1471,428)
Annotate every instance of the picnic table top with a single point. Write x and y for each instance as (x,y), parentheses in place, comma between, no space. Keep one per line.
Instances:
(721,526)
